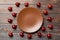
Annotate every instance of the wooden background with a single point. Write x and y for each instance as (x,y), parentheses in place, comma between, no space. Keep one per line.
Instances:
(5,14)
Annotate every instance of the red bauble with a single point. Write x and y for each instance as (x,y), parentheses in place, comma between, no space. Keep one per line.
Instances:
(17,4)
(49,19)
(50,26)
(38,4)
(49,35)
(10,34)
(14,14)
(10,20)
(50,6)
(43,28)
(21,34)
(45,12)
(26,4)
(39,34)
(10,9)
(14,26)
(29,36)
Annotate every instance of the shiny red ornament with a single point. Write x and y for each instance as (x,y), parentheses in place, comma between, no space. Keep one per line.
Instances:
(49,35)
(45,12)
(50,26)
(50,6)
(38,4)
(43,28)
(49,19)
(10,34)
(10,9)
(21,34)
(17,4)
(14,26)
(39,34)
(14,14)
(26,4)
(29,36)
(10,20)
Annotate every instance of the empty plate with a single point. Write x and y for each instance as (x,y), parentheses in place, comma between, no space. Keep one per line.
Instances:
(29,19)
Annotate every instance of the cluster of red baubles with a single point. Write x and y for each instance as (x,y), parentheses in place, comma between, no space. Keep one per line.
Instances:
(29,36)
(26,4)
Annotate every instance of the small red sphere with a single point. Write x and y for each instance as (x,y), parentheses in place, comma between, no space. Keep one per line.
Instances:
(17,4)
(43,29)
(50,26)
(21,34)
(38,4)
(49,19)
(50,6)
(10,34)
(14,14)
(26,4)
(29,36)
(39,34)
(14,26)
(10,20)
(10,9)
(49,35)
(45,12)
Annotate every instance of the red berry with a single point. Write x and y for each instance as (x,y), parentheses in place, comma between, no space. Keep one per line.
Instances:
(49,35)
(10,34)
(17,4)
(39,34)
(21,34)
(29,36)
(38,4)
(10,20)
(14,14)
(50,26)
(26,4)
(50,6)
(14,26)
(10,9)
(45,12)
(49,19)
(43,29)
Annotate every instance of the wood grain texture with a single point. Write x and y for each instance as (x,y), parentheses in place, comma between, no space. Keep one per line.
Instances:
(5,14)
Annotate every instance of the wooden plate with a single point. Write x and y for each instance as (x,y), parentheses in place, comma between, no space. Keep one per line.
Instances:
(29,19)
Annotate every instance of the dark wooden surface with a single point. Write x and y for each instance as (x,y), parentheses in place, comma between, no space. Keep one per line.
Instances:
(5,27)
